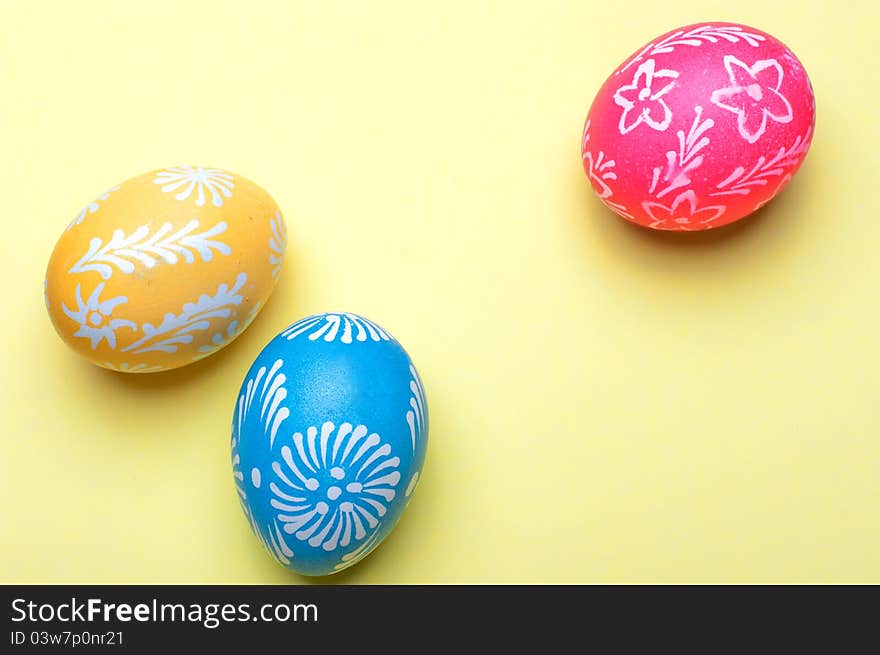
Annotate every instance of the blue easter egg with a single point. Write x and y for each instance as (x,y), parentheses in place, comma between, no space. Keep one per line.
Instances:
(328,441)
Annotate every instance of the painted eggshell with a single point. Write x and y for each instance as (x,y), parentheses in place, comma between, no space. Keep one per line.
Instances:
(699,128)
(329,436)
(165,269)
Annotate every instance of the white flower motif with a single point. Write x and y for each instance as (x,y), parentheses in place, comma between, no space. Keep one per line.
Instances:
(277,243)
(642,102)
(92,317)
(753,95)
(218,183)
(328,488)
(91,208)
(682,214)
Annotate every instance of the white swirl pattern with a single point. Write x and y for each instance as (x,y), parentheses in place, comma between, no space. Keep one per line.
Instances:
(330,485)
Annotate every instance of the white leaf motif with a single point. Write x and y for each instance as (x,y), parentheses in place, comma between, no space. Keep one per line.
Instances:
(177,329)
(680,165)
(695,37)
(740,182)
(122,251)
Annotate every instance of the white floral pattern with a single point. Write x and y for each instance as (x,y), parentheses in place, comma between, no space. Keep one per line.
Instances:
(185,180)
(91,208)
(94,317)
(683,214)
(331,490)
(277,243)
(642,99)
(753,95)
(353,328)
(197,316)
(148,250)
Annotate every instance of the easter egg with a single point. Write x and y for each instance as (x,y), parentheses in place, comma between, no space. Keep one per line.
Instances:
(165,268)
(329,435)
(699,128)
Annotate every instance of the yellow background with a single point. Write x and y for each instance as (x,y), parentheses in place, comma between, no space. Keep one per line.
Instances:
(607,404)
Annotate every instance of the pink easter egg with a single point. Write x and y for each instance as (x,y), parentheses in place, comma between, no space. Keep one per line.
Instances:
(699,128)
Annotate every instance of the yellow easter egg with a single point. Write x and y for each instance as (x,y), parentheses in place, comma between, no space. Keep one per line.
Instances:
(165,269)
